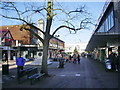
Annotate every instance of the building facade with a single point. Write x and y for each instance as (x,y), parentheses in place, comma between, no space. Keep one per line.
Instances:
(55,46)
(106,37)
(6,42)
(25,42)
(28,45)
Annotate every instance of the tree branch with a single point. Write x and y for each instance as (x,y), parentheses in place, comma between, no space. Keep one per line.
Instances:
(82,26)
(31,25)
(36,11)
(15,9)
(62,11)
(79,10)
(64,26)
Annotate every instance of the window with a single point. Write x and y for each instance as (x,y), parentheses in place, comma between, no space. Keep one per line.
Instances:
(102,28)
(112,19)
(108,23)
(105,26)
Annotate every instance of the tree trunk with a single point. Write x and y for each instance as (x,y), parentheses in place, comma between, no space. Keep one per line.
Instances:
(45,56)
(47,38)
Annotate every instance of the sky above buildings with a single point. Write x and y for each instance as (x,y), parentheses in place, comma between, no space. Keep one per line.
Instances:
(95,8)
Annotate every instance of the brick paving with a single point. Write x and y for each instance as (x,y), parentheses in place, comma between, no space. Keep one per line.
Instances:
(88,74)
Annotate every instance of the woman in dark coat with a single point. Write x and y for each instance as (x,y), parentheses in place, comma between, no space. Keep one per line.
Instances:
(78,59)
(113,59)
(118,63)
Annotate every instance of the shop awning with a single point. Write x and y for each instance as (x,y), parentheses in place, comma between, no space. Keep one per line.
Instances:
(100,40)
(27,47)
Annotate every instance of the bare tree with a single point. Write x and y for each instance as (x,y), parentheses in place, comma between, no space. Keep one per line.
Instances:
(24,17)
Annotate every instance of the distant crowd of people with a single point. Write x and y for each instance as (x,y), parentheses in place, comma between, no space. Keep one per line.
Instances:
(62,58)
(75,58)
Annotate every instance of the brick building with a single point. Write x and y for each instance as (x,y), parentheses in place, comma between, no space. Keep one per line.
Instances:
(24,41)
(27,44)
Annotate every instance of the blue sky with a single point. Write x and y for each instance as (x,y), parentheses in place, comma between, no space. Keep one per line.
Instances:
(94,8)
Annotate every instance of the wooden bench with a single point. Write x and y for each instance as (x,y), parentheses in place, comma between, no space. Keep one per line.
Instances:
(24,72)
(34,75)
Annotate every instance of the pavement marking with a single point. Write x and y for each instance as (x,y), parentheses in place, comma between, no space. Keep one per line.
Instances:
(77,75)
(62,75)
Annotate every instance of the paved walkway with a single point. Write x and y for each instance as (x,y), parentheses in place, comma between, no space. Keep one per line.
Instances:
(88,74)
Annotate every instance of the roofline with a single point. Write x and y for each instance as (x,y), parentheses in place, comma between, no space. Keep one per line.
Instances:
(7,32)
(11,25)
(22,24)
(58,39)
(105,8)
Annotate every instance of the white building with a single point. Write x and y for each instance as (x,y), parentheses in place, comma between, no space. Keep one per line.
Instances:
(40,26)
(69,48)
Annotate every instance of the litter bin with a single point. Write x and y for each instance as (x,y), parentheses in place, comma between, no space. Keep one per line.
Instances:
(5,69)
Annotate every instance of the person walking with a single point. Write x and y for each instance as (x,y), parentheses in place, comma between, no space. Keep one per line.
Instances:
(70,58)
(116,58)
(118,62)
(78,59)
(20,61)
(114,61)
(74,57)
(61,61)
(5,57)
(112,58)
